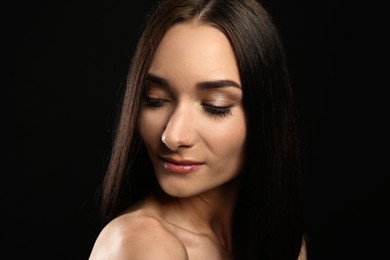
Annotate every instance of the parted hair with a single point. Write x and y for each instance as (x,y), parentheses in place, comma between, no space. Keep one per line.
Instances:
(268,217)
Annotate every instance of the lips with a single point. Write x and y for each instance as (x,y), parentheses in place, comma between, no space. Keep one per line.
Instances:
(180,166)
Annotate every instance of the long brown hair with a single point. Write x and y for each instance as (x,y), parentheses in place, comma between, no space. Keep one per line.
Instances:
(268,217)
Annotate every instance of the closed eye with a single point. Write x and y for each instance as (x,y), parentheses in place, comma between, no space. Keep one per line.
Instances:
(217,111)
(154,102)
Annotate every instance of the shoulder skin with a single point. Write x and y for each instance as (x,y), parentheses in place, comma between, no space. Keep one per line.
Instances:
(137,238)
(303,253)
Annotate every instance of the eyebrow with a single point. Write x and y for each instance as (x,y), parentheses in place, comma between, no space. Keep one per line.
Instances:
(201,85)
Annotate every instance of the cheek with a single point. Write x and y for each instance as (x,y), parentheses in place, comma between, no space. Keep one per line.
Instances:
(231,143)
(227,140)
(150,127)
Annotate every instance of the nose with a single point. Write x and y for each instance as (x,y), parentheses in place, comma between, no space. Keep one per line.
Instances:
(179,131)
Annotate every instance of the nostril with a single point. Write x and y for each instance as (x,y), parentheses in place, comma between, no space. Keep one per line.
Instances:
(179,132)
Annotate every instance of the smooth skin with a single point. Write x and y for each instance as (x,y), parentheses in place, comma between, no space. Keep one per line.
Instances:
(193,126)
(194,111)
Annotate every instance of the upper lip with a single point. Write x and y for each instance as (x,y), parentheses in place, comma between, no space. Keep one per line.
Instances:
(180,161)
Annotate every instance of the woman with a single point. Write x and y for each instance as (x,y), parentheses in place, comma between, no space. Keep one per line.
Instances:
(205,163)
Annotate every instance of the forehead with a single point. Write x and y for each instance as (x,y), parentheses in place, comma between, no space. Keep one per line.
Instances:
(195,52)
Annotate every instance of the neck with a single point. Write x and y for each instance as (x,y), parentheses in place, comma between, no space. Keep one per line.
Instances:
(209,214)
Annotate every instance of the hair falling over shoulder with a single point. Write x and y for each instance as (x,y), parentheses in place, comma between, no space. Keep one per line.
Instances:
(268,219)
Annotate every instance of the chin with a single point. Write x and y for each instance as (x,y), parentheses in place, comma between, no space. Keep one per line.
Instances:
(177,193)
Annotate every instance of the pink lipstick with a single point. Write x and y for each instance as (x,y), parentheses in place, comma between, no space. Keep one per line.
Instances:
(180,166)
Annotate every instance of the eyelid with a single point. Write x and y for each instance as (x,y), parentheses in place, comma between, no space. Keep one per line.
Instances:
(221,95)
(217,111)
(154,102)
(220,101)
(155,91)
(218,106)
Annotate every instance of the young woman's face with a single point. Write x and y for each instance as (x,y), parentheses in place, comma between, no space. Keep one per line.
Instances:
(192,120)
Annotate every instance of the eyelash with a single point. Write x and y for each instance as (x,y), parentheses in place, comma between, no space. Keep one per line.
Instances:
(214,111)
(153,102)
(217,111)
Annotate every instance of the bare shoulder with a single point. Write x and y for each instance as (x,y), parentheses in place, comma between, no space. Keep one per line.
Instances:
(303,253)
(133,237)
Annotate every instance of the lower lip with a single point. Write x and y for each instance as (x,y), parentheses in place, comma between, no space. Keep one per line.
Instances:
(181,168)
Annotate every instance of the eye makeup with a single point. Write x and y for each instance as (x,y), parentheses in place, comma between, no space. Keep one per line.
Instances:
(216,98)
(217,111)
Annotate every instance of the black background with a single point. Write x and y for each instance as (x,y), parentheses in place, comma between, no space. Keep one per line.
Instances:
(64,69)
